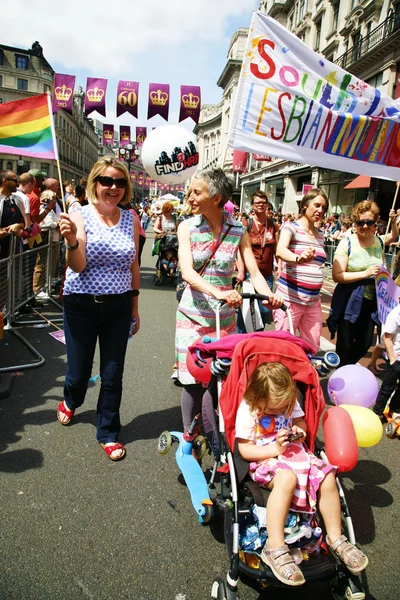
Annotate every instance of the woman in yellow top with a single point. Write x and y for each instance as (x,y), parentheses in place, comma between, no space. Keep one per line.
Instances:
(357,261)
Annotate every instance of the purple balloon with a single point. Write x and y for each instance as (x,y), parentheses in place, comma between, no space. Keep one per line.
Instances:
(353,384)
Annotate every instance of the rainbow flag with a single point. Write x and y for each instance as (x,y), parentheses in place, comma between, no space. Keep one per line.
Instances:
(27,129)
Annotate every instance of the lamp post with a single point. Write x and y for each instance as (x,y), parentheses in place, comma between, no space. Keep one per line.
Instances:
(128,154)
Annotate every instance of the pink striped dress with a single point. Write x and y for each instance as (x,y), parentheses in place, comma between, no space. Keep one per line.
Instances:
(195,316)
(301,283)
(309,469)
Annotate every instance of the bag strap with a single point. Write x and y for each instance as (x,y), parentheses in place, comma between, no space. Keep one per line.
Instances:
(205,265)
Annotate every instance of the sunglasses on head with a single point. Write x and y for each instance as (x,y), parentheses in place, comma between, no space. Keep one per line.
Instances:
(109,181)
(363,222)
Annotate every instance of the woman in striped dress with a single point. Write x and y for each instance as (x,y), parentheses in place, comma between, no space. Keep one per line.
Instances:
(209,229)
(301,248)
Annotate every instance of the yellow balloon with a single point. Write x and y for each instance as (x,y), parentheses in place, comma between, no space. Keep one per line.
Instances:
(367,425)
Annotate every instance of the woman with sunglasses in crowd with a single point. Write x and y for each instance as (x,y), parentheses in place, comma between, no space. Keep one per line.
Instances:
(100,296)
(357,261)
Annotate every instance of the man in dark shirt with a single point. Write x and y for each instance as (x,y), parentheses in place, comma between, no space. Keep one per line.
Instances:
(12,218)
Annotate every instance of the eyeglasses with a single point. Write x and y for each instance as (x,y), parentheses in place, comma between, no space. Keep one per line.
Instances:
(109,181)
(259,203)
(15,180)
(363,222)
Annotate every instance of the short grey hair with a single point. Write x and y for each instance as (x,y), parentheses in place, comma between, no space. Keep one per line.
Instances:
(218,184)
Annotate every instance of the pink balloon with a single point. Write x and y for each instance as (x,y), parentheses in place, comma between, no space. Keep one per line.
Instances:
(353,384)
(340,439)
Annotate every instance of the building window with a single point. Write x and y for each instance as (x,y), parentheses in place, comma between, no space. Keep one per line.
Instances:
(376,81)
(317,35)
(1,80)
(301,9)
(9,166)
(1,100)
(335,16)
(357,39)
(22,62)
(44,167)
(22,84)
(47,88)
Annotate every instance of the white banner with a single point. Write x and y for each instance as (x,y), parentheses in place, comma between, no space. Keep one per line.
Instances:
(292,103)
(387,294)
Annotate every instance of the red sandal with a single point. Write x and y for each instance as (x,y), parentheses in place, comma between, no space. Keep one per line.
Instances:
(62,409)
(110,449)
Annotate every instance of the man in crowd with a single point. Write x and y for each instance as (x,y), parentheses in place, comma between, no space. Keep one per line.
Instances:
(12,211)
(263,236)
(26,185)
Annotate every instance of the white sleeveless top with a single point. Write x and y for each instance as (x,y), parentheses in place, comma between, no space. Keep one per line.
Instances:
(110,251)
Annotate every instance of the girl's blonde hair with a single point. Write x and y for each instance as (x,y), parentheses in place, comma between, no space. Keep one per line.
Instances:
(272,386)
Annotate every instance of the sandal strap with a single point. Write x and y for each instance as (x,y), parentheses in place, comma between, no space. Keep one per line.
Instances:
(62,409)
(110,449)
(338,542)
(347,552)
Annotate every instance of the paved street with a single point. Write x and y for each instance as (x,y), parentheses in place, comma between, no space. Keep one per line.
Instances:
(76,526)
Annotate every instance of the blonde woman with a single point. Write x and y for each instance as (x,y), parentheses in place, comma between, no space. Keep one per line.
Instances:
(100,296)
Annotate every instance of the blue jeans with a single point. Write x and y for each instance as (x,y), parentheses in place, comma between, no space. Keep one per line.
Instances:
(84,322)
(265,312)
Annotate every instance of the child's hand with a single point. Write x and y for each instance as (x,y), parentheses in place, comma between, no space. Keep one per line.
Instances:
(298,430)
(282,440)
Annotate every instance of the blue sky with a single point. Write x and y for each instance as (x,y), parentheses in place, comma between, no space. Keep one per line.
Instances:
(163,41)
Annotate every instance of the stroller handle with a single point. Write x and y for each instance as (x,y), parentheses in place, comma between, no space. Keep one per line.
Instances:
(254,297)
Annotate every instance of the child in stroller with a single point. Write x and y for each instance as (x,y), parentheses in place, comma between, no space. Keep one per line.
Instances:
(169,263)
(270,430)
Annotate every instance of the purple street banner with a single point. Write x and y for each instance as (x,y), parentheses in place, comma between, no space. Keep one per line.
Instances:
(140,179)
(147,182)
(190,102)
(158,100)
(141,134)
(293,103)
(95,96)
(124,135)
(108,135)
(133,176)
(63,95)
(127,98)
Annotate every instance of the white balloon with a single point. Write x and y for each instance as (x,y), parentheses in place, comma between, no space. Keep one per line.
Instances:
(170,154)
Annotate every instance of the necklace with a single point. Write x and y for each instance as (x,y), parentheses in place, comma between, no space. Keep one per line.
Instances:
(108,216)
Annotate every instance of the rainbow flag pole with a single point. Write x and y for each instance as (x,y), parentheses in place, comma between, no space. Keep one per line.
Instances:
(27,128)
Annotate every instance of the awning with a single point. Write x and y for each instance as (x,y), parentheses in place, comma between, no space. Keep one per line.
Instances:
(362,181)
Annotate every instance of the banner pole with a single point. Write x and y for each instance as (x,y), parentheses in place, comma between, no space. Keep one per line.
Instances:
(53,133)
(388,225)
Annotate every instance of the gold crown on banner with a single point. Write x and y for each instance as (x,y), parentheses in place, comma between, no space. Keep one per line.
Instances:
(190,101)
(108,134)
(159,98)
(95,94)
(63,93)
(125,135)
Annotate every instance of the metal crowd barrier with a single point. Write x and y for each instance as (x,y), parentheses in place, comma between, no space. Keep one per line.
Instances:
(16,287)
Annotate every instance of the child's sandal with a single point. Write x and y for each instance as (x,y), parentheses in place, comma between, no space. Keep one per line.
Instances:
(354,559)
(281,563)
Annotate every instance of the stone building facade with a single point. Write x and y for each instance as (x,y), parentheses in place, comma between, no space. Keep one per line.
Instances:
(25,73)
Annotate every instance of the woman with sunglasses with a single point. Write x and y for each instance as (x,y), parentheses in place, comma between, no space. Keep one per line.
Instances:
(357,261)
(100,296)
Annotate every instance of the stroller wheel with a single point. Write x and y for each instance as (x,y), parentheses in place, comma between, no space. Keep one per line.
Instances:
(164,443)
(390,429)
(199,447)
(354,595)
(220,591)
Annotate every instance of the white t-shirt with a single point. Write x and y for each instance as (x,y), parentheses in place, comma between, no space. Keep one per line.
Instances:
(263,429)
(25,200)
(392,326)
